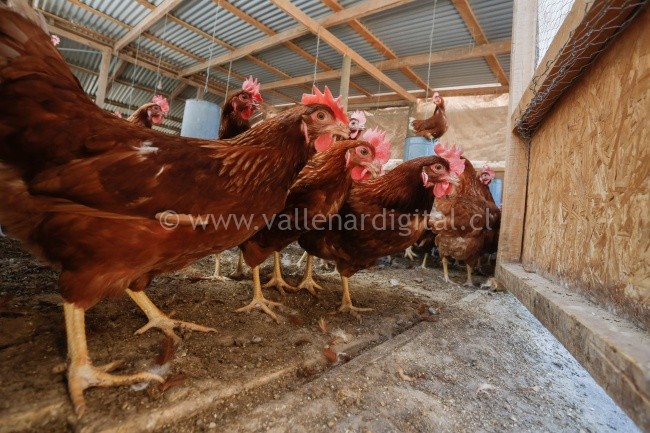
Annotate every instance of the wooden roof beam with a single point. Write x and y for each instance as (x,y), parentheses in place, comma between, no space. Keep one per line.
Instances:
(151,19)
(377,43)
(341,47)
(453,54)
(357,11)
(270,32)
(465,10)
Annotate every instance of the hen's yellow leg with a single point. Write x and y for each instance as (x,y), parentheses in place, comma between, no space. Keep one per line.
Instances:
(217,269)
(158,319)
(469,281)
(346,303)
(239,269)
(276,280)
(308,282)
(444,269)
(259,301)
(82,374)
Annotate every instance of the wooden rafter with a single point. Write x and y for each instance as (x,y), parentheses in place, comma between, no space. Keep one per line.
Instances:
(151,19)
(270,32)
(357,11)
(450,55)
(172,71)
(119,68)
(341,47)
(396,100)
(218,41)
(466,12)
(376,42)
(163,69)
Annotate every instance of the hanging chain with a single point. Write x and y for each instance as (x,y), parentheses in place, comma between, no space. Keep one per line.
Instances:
(228,80)
(433,23)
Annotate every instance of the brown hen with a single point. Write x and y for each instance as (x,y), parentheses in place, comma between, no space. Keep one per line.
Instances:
(381,216)
(67,178)
(466,221)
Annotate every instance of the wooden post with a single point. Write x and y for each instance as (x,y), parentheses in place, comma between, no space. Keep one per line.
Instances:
(105,64)
(345,80)
(200,91)
(522,68)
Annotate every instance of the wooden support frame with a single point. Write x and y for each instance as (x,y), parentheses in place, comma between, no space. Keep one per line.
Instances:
(615,352)
(357,11)
(377,43)
(341,47)
(465,10)
(450,55)
(143,25)
(102,82)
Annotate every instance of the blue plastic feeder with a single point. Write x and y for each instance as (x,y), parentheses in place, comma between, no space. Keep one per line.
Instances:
(416,146)
(201,119)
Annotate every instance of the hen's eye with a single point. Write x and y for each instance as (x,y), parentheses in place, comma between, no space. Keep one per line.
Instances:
(363,151)
(438,167)
(244,96)
(320,115)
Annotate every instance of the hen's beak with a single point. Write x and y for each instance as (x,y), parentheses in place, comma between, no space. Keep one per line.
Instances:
(341,130)
(374,168)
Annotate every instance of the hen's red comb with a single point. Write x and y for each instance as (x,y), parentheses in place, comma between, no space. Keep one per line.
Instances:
(360,116)
(488,170)
(326,99)
(453,155)
(161,101)
(252,86)
(55,40)
(378,139)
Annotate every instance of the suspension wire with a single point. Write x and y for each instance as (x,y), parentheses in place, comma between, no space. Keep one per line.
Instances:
(313,81)
(135,65)
(228,80)
(433,24)
(214,29)
(160,58)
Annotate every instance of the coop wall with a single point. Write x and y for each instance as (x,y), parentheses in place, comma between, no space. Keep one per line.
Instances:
(587,218)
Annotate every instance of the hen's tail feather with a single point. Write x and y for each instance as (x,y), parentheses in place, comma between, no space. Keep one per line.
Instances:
(24,9)
(417,124)
(26,47)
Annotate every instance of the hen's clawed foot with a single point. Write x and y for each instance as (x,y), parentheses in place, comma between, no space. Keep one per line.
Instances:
(83,375)
(264,305)
(409,254)
(157,319)
(280,284)
(308,284)
(276,278)
(167,325)
(349,308)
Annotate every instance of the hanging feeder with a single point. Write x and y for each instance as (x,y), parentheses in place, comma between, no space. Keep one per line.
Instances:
(201,119)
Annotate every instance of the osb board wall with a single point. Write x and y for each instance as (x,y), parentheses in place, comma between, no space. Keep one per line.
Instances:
(587,217)
(476,123)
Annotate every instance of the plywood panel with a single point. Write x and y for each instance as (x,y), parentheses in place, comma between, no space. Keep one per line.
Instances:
(587,219)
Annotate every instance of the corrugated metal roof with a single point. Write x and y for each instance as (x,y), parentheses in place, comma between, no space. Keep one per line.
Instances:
(458,73)
(504,60)
(405,29)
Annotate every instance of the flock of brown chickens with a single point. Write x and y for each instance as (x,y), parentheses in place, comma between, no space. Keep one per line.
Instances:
(67,178)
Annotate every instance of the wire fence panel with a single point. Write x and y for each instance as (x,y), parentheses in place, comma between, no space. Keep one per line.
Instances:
(603,20)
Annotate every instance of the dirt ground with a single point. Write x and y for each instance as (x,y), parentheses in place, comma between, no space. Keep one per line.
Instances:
(431,356)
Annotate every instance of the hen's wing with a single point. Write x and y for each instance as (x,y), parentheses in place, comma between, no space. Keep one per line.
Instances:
(144,177)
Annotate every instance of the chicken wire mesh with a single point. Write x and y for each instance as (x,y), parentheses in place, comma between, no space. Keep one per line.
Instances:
(603,21)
